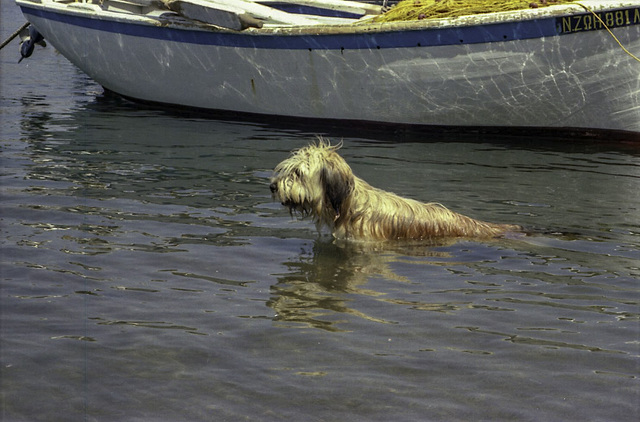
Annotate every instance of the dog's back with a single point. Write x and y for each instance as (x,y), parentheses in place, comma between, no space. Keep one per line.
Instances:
(316,181)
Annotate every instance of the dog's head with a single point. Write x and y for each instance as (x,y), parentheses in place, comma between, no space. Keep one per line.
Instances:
(315,181)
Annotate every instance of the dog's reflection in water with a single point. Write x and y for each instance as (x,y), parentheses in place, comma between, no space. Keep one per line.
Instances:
(319,287)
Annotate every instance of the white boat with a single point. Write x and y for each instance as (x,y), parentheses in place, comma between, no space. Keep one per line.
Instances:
(568,66)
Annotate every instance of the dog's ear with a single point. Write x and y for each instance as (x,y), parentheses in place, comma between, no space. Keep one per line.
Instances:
(337,187)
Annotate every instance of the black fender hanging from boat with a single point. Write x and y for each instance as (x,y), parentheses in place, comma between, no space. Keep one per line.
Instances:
(29,37)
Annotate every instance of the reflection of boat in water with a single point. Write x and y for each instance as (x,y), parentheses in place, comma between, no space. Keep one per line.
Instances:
(557,66)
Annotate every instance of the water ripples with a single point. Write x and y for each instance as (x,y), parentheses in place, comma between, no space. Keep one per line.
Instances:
(147,273)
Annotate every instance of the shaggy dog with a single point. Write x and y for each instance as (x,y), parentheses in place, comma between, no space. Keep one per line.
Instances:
(316,181)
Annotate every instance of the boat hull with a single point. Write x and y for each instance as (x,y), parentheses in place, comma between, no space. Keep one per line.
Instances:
(534,76)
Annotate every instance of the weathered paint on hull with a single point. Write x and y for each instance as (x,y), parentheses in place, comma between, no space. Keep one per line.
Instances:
(582,79)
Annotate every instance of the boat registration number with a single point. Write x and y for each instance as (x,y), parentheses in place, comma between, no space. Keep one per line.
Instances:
(589,22)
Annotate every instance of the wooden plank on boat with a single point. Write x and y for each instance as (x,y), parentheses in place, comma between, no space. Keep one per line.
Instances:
(347,6)
(238,14)
(232,14)
(224,15)
(265,13)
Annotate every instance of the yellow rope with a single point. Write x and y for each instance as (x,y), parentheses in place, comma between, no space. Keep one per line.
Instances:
(408,10)
(609,31)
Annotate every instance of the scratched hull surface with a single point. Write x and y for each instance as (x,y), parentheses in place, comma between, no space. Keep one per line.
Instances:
(482,73)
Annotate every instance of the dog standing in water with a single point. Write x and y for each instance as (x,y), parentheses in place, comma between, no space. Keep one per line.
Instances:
(317,181)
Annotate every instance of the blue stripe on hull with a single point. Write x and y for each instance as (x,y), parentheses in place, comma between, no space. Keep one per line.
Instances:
(499,32)
(425,37)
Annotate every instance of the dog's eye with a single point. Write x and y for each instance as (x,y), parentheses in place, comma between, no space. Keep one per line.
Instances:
(298,173)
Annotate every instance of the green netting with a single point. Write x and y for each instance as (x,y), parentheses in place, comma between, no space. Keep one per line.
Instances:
(408,10)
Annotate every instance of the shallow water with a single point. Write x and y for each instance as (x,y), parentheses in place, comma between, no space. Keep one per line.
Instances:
(148,275)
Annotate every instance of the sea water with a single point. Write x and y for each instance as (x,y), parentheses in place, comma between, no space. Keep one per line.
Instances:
(147,274)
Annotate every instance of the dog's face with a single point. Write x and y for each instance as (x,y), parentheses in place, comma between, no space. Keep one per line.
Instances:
(314,180)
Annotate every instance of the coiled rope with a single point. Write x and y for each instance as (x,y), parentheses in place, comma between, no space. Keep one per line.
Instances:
(408,10)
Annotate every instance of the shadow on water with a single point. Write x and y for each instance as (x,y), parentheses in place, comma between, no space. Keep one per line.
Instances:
(107,108)
(395,132)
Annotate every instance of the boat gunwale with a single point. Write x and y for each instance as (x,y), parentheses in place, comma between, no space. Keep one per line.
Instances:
(174,21)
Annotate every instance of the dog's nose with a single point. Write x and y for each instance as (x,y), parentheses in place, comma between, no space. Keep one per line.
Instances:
(273,187)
